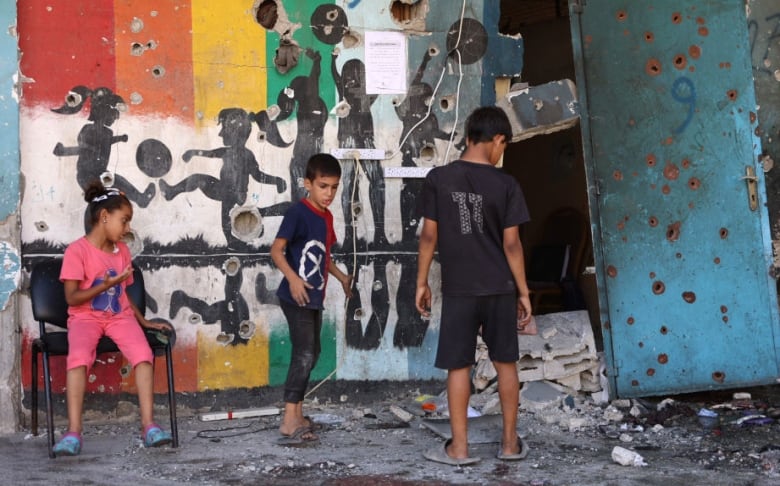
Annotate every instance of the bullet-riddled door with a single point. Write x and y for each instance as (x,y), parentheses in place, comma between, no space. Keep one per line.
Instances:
(680,225)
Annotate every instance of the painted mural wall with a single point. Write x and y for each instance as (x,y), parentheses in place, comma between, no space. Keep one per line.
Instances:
(205,118)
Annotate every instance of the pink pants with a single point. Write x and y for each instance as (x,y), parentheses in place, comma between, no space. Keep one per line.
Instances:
(85,332)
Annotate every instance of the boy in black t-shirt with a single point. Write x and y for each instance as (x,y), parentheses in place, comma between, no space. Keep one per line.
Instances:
(301,251)
(472,211)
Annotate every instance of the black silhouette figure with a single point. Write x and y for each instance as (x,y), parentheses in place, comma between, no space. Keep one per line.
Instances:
(238,164)
(95,140)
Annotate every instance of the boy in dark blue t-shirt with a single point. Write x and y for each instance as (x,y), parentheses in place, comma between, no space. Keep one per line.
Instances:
(301,251)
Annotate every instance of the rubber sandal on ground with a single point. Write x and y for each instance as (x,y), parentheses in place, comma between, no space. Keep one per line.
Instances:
(302,436)
(439,454)
(523,448)
(315,426)
(69,445)
(154,436)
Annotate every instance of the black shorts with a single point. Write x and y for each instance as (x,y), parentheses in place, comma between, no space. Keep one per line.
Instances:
(461,319)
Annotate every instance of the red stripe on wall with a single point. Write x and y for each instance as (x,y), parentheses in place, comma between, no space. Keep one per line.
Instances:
(65,43)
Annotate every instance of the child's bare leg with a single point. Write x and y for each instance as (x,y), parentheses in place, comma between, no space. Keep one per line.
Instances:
(144,381)
(458,393)
(293,418)
(76,384)
(508,393)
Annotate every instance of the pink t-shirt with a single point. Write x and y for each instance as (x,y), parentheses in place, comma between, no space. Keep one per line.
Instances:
(88,265)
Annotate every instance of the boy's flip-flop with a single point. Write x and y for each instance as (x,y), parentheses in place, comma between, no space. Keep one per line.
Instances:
(302,436)
(154,436)
(439,454)
(69,445)
(315,426)
(523,452)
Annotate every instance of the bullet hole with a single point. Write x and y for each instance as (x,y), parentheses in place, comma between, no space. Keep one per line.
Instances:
(724,233)
(658,287)
(678,255)
(725,319)
(650,159)
(630,321)
(152,44)
(634,382)
(246,224)
(617,175)
(677,18)
(680,61)
(41,226)
(621,226)
(664,330)
(663,358)
(395,101)
(652,221)
(652,274)
(125,371)
(689,297)
(650,371)
(357,209)
(717,261)
(694,183)
(136,25)
(342,109)
(73,99)
(641,344)
(723,309)
(653,67)
(649,37)
(719,376)
(404,12)
(666,189)
(92,378)
(286,56)
(621,15)
(246,329)
(351,39)
(447,103)
(428,153)
(433,51)
(538,105)
(377,286)
(358,314)
(673,231)
(668,141)
(694,52)
(231,266)
(136,49)
(732,94)
(671,171)
(704,31)
(195,319)
(136,98)
(267,14)
(612,271)
(158,71)
(753,117)
(224,338)
(631,122)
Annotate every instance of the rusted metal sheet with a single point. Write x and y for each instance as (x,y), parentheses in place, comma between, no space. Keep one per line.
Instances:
(680,224)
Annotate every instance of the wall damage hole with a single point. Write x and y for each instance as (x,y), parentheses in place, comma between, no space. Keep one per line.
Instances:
(650,371)
(136,98)
(673,231)
(719,376)
(649,37)
(666,189)
(694,51)
(680,61)
(671,171)
(641,344)
(723,309)
(664,330)
(677,18)
(41,226)
(663,358)
(694,183)
(136,25)
(653,67)
(724,233)
(195,318)
(267,14)
(405,11)
(428,153)
(224,338)
(246,329)
(158,71)
(716,261)
(377,286)
(732,94)
(634,382)
(231,266)
(621,226)
(447,103)
(650,159)
(658,287)
(617,175)
(358,315)
(621,15)
(704,31)
(612,271)
(689,297)
(351,39)
(630,321)
(125,371)
(652,221)
(652,274)
(136,49)
(246,224)
(753,116)
(152,44)
(725,319)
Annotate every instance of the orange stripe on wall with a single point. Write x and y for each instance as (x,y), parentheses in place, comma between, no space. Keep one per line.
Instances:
(153,59)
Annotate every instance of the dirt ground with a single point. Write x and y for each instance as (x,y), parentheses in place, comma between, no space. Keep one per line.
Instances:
(363,443)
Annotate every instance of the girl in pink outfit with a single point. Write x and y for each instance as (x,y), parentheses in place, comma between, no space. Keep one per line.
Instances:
(96,269)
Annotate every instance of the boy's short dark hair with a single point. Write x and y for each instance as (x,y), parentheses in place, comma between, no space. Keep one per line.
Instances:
(323,165)
(486,122)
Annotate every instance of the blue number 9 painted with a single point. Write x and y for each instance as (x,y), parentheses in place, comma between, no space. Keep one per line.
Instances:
(683,91)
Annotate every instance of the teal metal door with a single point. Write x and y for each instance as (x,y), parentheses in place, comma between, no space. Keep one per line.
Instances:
(680,227)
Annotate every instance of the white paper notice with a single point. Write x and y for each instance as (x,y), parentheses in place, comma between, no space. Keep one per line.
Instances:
(385,62)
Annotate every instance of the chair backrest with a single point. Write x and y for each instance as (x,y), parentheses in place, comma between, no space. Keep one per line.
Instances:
(47,292)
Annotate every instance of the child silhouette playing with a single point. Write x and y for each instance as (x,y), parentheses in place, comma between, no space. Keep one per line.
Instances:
(96,269)
(472,211)
(301,251)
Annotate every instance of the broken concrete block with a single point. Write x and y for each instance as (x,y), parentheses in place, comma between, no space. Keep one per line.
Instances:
(537,396)
(546,108)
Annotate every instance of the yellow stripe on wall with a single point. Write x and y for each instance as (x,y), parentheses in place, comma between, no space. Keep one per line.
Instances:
(228,59)
(231,366)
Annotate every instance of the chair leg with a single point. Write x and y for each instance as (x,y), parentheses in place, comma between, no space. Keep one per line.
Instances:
(49,406)
(34,392)
(172,396)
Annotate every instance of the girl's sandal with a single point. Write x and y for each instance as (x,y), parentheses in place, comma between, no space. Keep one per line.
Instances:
(69,445)
(154,436)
